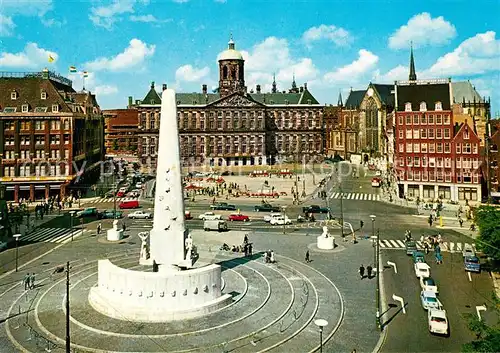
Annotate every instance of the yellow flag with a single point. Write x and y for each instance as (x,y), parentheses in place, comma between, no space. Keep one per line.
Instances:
(51,59)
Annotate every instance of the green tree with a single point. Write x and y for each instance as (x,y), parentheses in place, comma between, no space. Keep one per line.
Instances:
(487,219)
(487,337)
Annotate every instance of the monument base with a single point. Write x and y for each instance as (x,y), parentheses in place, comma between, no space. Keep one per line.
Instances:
(146,262)
(326,243)
(115,234)
(157,296)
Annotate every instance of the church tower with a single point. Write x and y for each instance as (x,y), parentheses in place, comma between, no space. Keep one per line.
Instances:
(231,71)
(413,74)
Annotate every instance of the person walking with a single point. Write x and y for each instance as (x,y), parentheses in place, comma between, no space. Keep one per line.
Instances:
(369,271)
(99,228)
(362,271)
(26,281)
(307,257)
(461,221)
(32,281)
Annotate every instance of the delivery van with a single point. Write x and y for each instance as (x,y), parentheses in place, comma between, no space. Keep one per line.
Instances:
(215,224)
(129,204)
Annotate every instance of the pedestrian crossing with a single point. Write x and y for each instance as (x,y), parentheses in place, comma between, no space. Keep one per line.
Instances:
(51,235)
(110,200)
(445,246)
(355,196)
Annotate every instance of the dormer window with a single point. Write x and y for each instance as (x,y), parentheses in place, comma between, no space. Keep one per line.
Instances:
(309,102)
(423,107)
(25,108)
(13,95)
(439,106)
(408,107)
(55,108)
(43,95)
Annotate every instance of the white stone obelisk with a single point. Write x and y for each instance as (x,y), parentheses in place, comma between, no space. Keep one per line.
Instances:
(167,238)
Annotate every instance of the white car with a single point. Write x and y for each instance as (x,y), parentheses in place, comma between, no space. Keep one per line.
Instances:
(378,173)
(209,216)
(422,270)
(468,250)
(280,221)
(428,284)
(138,185)
(140,215)
(429,300)
(438,322)
(269,217)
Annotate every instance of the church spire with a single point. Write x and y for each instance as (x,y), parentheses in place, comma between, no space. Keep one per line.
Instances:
(274,90)
(340,103)
(294,84)
(413,74)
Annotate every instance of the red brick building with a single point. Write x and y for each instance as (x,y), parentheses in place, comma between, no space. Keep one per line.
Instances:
(120,134)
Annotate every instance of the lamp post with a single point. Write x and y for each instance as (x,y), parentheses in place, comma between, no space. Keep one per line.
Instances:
(320,323)
(17,236)
(71,214)
(284,219)
(377,270)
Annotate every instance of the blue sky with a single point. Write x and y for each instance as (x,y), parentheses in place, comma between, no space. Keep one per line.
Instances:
(331,45)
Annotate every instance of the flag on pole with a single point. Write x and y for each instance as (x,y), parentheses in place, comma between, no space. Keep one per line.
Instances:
(85,74)
(72,69)
(51,59)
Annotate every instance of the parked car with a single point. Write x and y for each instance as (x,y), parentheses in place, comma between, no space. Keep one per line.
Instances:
(215,224)
(280,220)
(418,257)
(111,214)
(3,245)
(269,217)
(411,247)
(223,206)
(140,215)
(472,264)
(266,207)
(187,215)
(238,217)
(468,251)
(88,212)
(208,216)
(429,300)
(376,182)
(315,209)
(422,270)
(438,322)
(129,204)
(428,284)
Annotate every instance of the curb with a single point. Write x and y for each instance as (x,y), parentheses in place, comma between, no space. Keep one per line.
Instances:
(383,334)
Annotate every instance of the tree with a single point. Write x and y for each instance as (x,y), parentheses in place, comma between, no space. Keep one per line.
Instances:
(486,218)
(487,337)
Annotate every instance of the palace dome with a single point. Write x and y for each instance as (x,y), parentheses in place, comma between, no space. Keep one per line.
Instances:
(230,53)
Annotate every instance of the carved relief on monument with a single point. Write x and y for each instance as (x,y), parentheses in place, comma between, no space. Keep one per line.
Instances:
(236,101)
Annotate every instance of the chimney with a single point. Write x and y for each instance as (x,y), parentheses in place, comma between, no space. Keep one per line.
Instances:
(204,89)
(164,87)
(301,89)
(130,101)
(305,86)
(258,88)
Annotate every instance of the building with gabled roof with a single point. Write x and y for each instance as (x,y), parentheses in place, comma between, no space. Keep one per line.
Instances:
(232,126)
(51,137)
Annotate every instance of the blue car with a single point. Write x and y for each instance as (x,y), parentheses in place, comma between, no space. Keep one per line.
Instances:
(472,264)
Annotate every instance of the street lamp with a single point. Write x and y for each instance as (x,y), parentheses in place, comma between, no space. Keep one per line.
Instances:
(71,214)
(17,236)
(320,323)
(284,219)
(377,270)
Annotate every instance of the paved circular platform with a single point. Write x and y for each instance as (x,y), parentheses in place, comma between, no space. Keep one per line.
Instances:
(274,307)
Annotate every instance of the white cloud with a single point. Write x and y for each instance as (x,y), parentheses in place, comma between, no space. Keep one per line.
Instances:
(6,26)
(475,55)
(221,1)
(52,22)
(400,72)
(147,19)
(188,73)
(423,30)
(133,55)
(106,16)
(105,90)
(355,70)
(26,7)
(337,35)
(31,57)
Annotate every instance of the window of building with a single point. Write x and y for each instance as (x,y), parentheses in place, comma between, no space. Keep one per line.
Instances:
(432,147)
(475,163)
(43,95)
(401,147)
(423,107)
(439,133)
(400,120)
(447,148)
(466,148)
(447,162)
(39,125)
(423,147)
(424,177)
(424,161)
(219,123)
(55,139)
(439,175)
(66,154)
(416,147)
(458,149)
(474,148)
(432,176)
(458,162)
(431,133)
(39,140)
(438,106)
(423,133)
(416,176)
(446,133)
(431,119)
(416,133)
(55,125)
(409,147)
(401,134)
(408,120)
(25,125)
(408,107)
(66,124)
(423,119)
(446,119)
(432,162)
(415,119)
(409,175)
(447,177)
(24,108)
(13,95)
(466,134)
(439,147)
(66,139)
(416,161)
(409,134)
(55,108)
(466,177)
(439,162)
(439,119)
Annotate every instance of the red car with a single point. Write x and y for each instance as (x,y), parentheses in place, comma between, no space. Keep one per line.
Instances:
(120,194)
(187,215)
(238,217)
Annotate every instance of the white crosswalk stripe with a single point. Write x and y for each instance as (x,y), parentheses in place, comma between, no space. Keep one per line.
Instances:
(445,246)
(111,200)
(355,196)
(51,235)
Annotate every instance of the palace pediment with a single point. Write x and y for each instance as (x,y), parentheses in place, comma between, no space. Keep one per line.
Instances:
(235,100)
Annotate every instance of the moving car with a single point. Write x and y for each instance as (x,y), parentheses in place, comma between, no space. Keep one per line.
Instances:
(315,209)
(129,204)
(269,217)
(120,194)
(266,207)
(376,182)
(422,270)
(111,214)
(215,224)
(238,217)
(418,257)
(280,220)
(428,284)
(140,215)
(209,216)
(411,247)
(429,300)
(472,264)
(438,322)
(223,206)
(468,251)
(88,212)
(187,215)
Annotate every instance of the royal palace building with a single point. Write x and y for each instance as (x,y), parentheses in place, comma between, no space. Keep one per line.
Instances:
(51,137)
(231,126)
